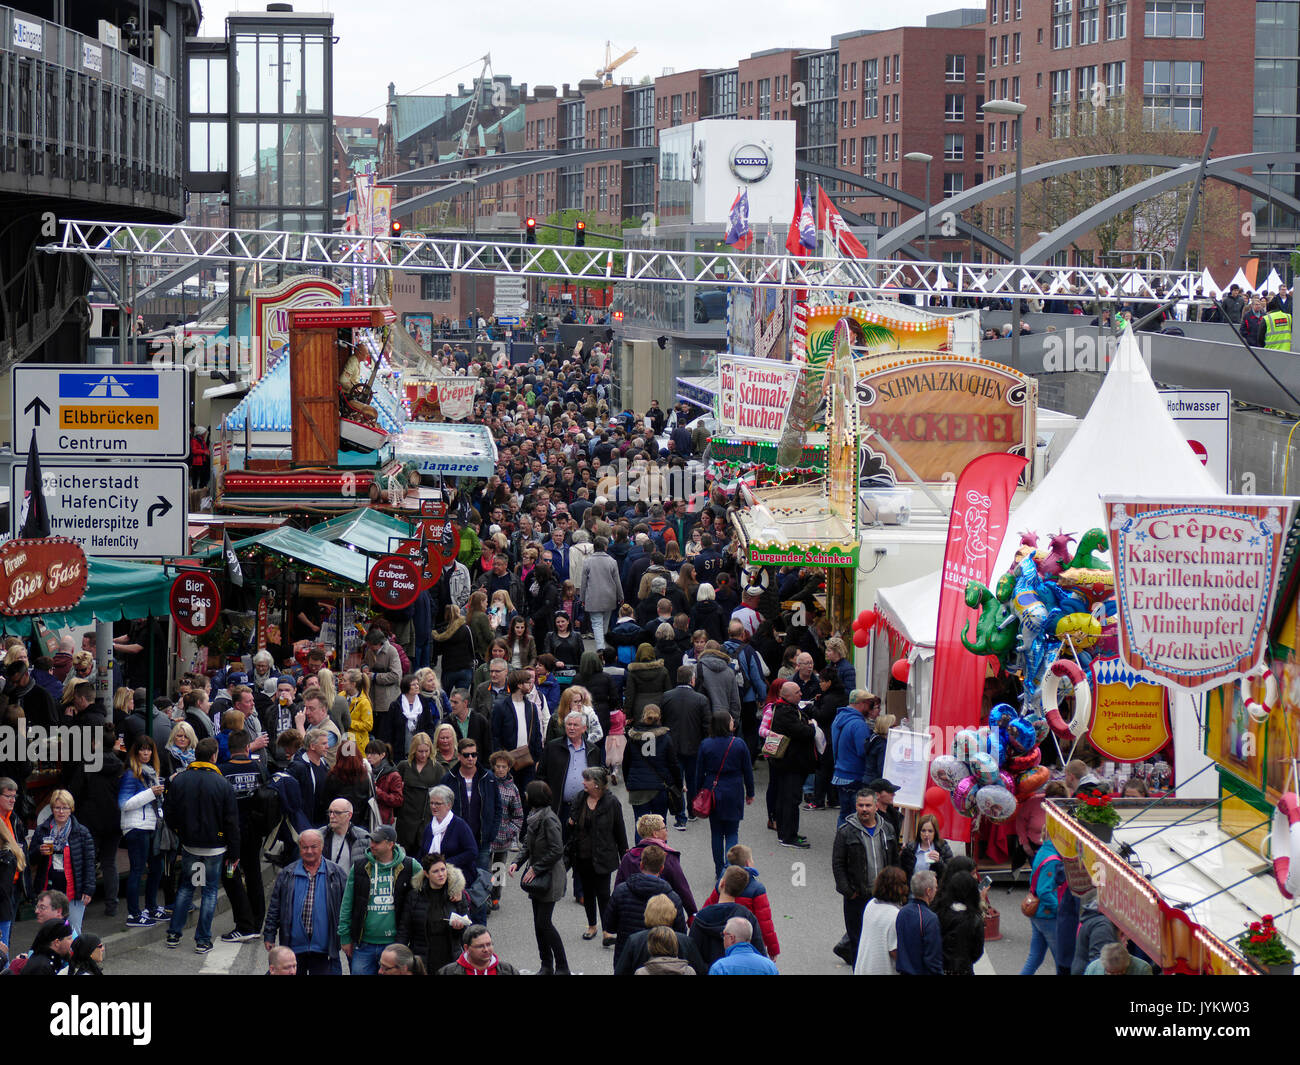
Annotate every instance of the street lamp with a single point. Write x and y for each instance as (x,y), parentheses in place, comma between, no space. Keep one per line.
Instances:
(472,182)
(921,157)
(1011,107)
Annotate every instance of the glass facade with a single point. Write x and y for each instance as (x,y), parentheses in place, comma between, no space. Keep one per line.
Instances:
(720,94)
(817,138)
(1277,119)
(281,126)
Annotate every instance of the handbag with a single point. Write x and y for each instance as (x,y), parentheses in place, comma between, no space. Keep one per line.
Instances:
(521,758)
(539,885)
(775,746)
(1029,904)
(702,804)
(676,798)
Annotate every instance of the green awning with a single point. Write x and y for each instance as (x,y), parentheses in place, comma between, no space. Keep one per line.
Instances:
(301,547)
(115,591)
(364,529)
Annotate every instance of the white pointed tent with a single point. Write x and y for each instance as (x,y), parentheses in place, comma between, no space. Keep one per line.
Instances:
(1127,444)
(1208,286)
(1271,283)
(1239,278)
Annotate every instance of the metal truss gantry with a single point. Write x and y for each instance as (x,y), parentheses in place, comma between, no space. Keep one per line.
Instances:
(172,246)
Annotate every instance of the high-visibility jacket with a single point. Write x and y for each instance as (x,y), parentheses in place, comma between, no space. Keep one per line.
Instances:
(1277,330)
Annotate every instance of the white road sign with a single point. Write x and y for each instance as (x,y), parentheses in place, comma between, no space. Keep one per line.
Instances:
(1205,419)
(113,511)
(92,412)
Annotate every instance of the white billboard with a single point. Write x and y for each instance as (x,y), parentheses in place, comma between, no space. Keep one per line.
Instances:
(717,158)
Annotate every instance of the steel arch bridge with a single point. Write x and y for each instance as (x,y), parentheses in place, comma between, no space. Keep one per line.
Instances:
(1181,171)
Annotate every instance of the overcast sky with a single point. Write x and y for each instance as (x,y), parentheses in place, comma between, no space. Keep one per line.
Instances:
(411,43)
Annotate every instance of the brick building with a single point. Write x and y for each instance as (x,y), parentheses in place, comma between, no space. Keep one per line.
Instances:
(1121,75)
(912,89)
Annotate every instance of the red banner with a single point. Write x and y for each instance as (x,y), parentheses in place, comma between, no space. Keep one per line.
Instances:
(41,576)
(975,531)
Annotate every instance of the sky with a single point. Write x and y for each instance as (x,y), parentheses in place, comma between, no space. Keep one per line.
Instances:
(412,43)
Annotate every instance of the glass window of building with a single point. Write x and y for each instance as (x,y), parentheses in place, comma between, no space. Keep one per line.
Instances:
(1175,18)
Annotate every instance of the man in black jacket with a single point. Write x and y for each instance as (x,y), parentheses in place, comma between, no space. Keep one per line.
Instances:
(686,713)
(201,811)
(563,763)
(797,762)
(245,775)
(864,845)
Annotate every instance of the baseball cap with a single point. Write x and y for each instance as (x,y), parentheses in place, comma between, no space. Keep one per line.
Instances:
(384,833)
(881,784)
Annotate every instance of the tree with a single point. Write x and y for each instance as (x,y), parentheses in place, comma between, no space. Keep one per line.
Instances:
(1117,127)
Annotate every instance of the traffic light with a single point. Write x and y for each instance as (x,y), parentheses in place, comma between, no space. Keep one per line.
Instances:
(580,234)
(530,230)
(394,228)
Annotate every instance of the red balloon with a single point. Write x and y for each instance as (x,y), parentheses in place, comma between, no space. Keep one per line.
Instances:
(861,638)
(866,620)
(937,803)
(901,670)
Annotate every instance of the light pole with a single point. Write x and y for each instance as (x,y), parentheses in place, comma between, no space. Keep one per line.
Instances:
(921,157)
(1011,107)
(1271,225)
(472,182)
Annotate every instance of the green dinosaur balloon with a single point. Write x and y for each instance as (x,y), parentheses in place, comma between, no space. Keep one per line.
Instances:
(1086,557)
(997,627)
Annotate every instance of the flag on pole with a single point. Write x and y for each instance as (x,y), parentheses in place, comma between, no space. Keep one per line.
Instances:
(34,523)
(794,235)
(739,233)
(234,571)
(807,226)
(829,219)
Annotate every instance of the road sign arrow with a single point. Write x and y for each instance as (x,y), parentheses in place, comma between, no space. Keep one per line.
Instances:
(34,408)
(163,506)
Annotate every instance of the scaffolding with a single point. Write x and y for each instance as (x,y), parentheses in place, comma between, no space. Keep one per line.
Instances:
(177,245)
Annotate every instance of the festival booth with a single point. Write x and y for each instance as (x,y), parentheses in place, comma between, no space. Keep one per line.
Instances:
(315,430)
(901,420)
(1102,640)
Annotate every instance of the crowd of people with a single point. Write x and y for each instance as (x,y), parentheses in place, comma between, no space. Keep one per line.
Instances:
(604,635)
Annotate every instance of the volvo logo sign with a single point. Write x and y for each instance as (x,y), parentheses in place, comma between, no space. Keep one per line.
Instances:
(750,162)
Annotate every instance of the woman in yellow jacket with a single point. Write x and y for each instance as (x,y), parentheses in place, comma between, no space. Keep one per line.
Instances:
(361,715)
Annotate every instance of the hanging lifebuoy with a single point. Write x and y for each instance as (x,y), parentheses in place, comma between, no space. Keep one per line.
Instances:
(1257,710)
(1284,842)
(1064,668)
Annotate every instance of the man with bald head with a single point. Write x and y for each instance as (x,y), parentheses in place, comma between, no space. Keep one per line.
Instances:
(304,907)
(741,959)
(789,719)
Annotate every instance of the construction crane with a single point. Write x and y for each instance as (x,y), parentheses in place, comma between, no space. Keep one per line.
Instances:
(462,143)
(606,73)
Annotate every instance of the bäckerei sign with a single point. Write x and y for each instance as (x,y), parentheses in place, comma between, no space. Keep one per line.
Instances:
(941,412)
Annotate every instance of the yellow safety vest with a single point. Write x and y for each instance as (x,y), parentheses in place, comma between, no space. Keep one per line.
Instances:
(1277,331)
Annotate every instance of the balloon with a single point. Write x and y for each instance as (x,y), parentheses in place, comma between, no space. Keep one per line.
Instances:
(964,796)
(1024,762)
(937,804)
(866,620)
(936,796)
(1021,736)
(1031,780)
(947,772)
(965,745)
(995,803)
(861,638)
(901,670)
(1007,780)
(985,768)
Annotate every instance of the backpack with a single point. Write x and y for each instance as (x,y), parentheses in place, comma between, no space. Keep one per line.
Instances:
(265,808)
(273,846)
(626,652)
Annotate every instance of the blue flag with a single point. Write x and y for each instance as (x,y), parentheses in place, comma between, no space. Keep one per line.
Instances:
(739,234)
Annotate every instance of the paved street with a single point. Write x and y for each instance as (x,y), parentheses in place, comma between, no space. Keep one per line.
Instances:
(805,909)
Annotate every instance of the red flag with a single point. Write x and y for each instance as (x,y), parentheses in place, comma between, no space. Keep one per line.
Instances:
(792,242)
(829,219)
(975,531)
